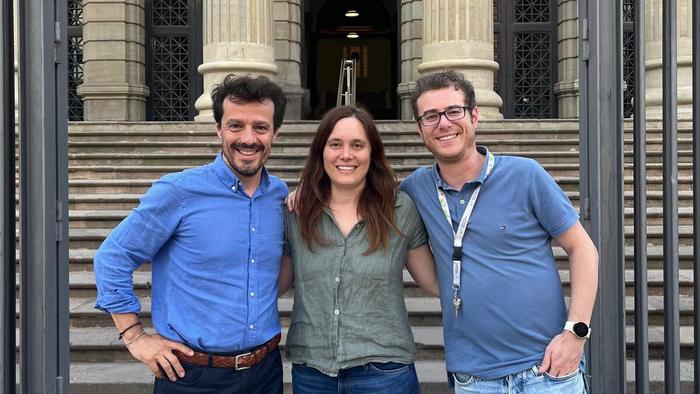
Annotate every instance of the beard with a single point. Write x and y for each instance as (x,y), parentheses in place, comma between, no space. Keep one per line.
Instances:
(242,167)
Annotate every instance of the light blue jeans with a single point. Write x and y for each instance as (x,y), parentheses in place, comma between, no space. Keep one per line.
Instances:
(524,382)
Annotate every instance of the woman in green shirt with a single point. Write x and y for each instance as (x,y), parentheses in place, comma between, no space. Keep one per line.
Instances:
(345,250)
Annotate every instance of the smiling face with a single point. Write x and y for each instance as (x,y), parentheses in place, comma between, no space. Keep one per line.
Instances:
(246,134)
(346,155)
(449,140)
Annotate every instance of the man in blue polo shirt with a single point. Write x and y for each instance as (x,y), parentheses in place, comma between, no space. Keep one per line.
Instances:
(490,221)
(214,235)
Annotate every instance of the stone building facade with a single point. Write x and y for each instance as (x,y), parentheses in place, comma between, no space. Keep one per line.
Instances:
(157,59)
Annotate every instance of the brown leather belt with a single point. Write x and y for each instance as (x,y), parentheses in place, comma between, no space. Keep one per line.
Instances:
(238,362)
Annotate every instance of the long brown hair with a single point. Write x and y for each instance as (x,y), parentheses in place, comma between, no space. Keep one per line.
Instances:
(376,205)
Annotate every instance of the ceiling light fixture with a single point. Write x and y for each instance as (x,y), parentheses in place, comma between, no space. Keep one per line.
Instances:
(352,34)
(351,13)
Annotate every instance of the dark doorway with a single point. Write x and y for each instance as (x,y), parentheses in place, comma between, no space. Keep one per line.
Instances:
(326,42)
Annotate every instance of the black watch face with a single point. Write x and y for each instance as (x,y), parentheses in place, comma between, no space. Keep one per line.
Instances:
(581,329)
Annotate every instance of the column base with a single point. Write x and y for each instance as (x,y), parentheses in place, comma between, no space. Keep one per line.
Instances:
(654,104)
(567,98)
(114,101)
(405,91)
(215,72)
(295,102)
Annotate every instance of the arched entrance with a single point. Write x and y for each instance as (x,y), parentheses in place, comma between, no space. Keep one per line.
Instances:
(326,29)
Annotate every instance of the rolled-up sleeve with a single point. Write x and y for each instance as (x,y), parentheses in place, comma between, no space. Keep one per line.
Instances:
(135,241)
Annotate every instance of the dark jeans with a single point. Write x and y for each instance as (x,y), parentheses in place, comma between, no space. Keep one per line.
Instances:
(264,378)
(372,378)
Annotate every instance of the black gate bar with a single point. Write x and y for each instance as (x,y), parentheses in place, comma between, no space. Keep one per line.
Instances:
(672,380)
(641,317)
(601,171)
(7,204)
(696,194)
(44,342)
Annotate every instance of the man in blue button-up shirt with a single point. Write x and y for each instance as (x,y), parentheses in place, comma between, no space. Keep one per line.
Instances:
(214,235)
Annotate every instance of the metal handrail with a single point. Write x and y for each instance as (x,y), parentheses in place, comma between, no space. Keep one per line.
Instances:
(347,83)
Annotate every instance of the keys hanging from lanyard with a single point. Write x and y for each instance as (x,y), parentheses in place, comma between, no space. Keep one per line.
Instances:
(456,271)
(457,301)
(459,234)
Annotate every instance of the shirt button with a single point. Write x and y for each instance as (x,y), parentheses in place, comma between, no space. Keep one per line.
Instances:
(337,279)
(252,261)
(336,312)
(252,294)
(252,229)
(252,327)
(461,202)
(234,188)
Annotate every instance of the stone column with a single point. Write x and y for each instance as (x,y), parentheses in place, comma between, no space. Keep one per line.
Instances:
(114,56)
(566,88)
(237,39)
(287,17)
(653,37)
(411,52)
(458,35)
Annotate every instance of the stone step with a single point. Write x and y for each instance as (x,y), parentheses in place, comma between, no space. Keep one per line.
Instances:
(125,185)
(108,218)
(91,238)
(100,344)
(394,144)
(419,157)
(293,170)
(82,283)
(422,311)
(81,258)
(134,378)
(528,128)
(121,179)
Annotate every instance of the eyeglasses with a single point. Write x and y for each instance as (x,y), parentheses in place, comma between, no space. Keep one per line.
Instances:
(433,118)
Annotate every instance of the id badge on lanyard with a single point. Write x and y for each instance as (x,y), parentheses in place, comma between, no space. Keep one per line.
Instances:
(459,234)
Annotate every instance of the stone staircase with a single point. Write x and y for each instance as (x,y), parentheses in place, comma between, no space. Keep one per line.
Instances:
(112,164)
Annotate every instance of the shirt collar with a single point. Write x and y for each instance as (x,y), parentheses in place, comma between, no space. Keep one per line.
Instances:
(482,175)
(229,178)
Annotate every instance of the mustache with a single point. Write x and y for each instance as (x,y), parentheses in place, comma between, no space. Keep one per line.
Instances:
(240,145)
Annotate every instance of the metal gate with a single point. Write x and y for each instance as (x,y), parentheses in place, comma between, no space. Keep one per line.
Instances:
(75,59)
(602,192)
(43,193)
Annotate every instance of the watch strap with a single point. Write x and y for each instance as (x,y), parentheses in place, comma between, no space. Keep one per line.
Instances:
(569,326)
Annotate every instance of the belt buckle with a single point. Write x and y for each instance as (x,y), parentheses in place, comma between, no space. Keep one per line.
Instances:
(236,367)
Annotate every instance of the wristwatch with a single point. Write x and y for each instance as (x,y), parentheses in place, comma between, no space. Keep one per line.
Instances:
(579,328)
